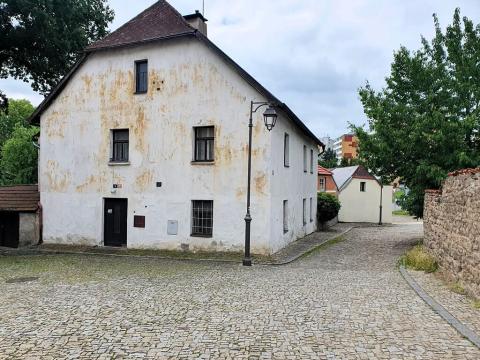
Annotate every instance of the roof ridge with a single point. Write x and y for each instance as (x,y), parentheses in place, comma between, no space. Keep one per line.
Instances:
(161,5)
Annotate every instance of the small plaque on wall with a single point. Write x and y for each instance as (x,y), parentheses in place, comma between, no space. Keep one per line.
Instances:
(139,221)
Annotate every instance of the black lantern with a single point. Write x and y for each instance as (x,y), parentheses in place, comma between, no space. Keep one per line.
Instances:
(270,118)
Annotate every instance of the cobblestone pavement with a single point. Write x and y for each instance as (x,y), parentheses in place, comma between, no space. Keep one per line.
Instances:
(345,301)
(460,306)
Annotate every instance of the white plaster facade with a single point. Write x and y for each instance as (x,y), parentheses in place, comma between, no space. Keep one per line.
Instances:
(188,85)
(364,206)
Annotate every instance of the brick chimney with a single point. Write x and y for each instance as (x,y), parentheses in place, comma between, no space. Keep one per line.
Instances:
(197,21)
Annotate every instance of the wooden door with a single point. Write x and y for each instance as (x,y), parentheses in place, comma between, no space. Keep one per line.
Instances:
(115,222)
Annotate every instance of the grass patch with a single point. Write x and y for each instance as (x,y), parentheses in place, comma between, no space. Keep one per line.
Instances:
(171,254)
(476,304)
(456,287)
(418,259)
(401,212)
(325,245)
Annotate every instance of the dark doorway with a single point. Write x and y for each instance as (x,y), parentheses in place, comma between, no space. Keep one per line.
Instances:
(115,222)
(9,226)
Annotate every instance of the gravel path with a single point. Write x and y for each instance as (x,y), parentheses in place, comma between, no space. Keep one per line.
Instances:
(346,301)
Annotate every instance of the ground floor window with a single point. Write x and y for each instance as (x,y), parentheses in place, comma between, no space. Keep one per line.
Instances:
(304,211)
(311,209)
(285,216)
(202,218)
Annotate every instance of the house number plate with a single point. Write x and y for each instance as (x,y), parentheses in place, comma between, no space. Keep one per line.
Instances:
(110,211)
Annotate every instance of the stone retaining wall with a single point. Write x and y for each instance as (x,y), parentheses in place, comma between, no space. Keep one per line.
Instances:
(452,227)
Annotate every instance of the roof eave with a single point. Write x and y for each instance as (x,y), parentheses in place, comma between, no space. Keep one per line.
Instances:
(35,117)
(259,87)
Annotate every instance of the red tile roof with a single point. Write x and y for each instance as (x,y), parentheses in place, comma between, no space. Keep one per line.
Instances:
(159,21)
(468,171)
(323,171)
(19,198)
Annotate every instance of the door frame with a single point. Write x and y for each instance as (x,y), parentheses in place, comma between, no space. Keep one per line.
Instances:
(104,201)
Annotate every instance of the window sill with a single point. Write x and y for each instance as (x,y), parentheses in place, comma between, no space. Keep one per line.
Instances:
(202,162)
(200,236)
(140,92)
(287,166)
(118,163)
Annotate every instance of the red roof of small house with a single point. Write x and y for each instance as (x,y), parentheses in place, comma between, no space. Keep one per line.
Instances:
(323,171)
(19,198)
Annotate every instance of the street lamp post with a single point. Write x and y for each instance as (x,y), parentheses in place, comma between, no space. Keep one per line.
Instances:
(270,119)
(381,202)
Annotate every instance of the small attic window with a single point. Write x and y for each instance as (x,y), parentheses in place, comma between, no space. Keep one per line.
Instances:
(363,186)
(141,76)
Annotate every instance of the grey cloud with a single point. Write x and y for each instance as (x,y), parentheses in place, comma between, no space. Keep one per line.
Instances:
(312,54)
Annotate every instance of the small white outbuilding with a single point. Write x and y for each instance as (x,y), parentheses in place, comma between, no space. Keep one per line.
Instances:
(362,197)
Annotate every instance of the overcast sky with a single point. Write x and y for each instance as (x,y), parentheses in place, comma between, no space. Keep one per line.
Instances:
(312,54)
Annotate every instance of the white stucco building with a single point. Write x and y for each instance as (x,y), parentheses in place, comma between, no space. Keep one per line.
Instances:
(144,144)
(360,195)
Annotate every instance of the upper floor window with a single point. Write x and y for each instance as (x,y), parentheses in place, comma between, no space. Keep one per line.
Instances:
(363,186)
(141,76)
(119,145)
(304,158)
(321,184)
(311,161)
(204,143)
(286,150)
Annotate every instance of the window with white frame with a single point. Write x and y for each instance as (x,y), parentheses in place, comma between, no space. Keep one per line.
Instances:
(321,184)
(285,216)
(286,150)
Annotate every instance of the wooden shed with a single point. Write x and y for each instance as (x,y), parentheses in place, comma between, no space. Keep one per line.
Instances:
(19,215)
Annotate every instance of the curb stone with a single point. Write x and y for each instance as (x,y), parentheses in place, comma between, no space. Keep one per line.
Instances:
(312,248)
(279,263)
(440,310)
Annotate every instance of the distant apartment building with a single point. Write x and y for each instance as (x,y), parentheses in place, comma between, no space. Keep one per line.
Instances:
(346,146)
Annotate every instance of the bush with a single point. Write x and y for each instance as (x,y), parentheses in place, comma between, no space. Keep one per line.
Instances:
(327,207)
(418,259)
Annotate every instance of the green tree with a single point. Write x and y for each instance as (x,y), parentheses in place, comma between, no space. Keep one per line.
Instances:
(426,121)
(350,162)
(328,159)
(42,39)
(17,112)
(20,157)
(328,207)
